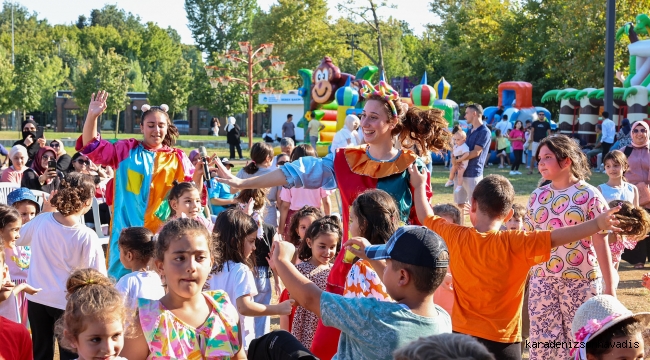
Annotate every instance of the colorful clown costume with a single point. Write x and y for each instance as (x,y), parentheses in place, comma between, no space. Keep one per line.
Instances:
(134,198)
(353,171)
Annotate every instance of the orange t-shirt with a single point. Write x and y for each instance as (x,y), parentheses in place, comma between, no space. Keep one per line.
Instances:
(490,272)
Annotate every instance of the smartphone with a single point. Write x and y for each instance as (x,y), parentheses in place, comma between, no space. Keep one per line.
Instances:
(39,133)
(51,165)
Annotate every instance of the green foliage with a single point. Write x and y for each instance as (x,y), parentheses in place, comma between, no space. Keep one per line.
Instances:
(26,94)
(6,82)
(170,85)
(51,76)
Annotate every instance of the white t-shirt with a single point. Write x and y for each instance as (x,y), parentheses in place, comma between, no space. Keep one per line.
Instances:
(140,285)
(341,139)
(237,280)
(609,131)
(57,250)
(504,126)
(460,150)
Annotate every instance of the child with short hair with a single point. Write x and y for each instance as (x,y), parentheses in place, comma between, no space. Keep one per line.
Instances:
(444,295)
(449,212)
(601,323)
(59,244)
(443,346)
(457,170)
(186,323)
(93,322)
(185,201)
(14,337)
(137,247)
(233,270)
(516,222)
(415,264)
(489,290)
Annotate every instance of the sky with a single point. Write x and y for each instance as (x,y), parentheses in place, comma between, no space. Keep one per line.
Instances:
(172,12)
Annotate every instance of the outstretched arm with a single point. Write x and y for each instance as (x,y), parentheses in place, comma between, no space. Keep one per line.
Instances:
(605,222)
(418,182)
(95,109)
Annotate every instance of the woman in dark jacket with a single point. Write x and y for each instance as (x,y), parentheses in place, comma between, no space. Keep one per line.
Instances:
(232,135)
(38,177)
(30,140)
(63,159)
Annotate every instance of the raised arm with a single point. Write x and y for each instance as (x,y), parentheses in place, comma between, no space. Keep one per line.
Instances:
(418,182)
(95,109)
(604,222)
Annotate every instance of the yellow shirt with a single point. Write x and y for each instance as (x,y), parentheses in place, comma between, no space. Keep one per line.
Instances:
(314,127)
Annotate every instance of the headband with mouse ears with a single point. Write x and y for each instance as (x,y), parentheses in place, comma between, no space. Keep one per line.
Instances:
(382,89)
(147,107)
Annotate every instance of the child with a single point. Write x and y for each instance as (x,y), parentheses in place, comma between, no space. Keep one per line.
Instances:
(93,322)
(575,272)
(635,225)
(15,339)
(16,261)
(59,244)
(23,200)
(489,289)
(502,146)
(517,139)
(186,323)
(373,217)
(605,329)
(300,222)
(457,171)
(295,198)
(617,188)
(232,272)
(516,222)
(261,164)
(443,346)
(321,243)
(185,201)
(415,264)
(444,295)
(136,246)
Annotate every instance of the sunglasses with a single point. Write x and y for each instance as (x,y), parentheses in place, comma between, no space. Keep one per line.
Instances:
(48,157)
(83,162)
(280,163)
(54,145)
(642,130)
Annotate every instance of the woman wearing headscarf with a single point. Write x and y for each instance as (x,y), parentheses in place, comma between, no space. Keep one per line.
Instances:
(38,176)
(14,173)
(31,140)
(624,136)
(638,173)
(63,159)
(232,135)
(348,135)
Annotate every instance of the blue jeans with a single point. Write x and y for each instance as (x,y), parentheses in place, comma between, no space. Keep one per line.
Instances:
(264,293)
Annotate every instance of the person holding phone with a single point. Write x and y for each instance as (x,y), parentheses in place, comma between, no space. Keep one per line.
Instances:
(43,175)
(32,140)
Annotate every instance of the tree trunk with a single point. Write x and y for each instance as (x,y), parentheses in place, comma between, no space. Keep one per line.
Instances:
(380,51)
(117,124)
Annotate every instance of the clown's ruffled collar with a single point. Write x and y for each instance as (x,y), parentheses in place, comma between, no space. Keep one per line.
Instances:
(361,163)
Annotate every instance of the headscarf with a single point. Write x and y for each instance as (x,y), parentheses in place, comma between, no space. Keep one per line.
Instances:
(27,133)
(625,126)
(28,121)
(231,124)
(647,131)
(36,163)
(61,147)
(18,149)
(349,122)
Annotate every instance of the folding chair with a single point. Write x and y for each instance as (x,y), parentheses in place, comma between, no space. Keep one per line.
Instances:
(5,189)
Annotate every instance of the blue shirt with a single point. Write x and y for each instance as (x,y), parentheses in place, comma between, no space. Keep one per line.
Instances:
(481,136)
(218,190)
(372,329)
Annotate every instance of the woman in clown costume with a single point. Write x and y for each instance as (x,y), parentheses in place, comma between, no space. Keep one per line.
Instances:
(376,165)
(139,165)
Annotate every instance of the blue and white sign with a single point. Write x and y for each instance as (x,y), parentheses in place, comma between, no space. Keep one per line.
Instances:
(270,99)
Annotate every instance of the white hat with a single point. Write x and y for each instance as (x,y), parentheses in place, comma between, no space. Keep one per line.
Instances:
(598,314)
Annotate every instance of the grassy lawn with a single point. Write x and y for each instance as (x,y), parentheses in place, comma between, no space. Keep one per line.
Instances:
(14,135)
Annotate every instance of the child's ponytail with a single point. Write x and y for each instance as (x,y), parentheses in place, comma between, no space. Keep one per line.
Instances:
(259,153)
(140,241)
(326,225)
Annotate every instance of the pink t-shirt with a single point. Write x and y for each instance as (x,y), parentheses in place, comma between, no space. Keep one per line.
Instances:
(550,209)
(517,144)
(299,197)
(11,175)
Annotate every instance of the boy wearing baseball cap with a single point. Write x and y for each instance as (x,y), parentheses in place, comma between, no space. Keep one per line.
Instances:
(411,264)
(490,266)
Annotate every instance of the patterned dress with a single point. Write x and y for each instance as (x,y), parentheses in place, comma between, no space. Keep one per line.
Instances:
(170,338)
(363,282)
(304,321)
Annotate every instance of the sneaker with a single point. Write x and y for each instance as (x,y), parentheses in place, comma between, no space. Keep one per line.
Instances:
(513,173)
(518,173)
(457,189)
(449,183)
(500,166)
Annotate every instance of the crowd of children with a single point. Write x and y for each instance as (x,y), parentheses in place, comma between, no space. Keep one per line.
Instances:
(392,277)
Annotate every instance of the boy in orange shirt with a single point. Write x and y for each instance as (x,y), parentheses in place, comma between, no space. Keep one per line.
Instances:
(490,266)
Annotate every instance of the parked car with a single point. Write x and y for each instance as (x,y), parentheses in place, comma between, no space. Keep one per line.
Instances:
(183,126)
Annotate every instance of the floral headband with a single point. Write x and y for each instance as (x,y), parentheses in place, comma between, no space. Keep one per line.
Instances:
(382,89)
(147,107)
(584,334)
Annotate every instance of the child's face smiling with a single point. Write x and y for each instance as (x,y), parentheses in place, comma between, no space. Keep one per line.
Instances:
(102,339)
(189,203)
(323,248)
(11,232)
(186,264)
(27,211)
(515,223)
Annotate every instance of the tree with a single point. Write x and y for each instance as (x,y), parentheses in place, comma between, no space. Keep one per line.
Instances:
(6,82)
(170,85)
(51,74)
(108,72)
(82,22)
(26,94)
(217,25)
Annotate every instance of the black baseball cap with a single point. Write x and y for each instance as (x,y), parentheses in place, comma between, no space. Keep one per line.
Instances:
(413,245)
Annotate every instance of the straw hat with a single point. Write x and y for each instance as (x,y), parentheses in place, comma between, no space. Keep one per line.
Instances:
(599,314)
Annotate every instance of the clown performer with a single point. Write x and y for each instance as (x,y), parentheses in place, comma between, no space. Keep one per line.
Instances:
(144,171)
(376,165)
